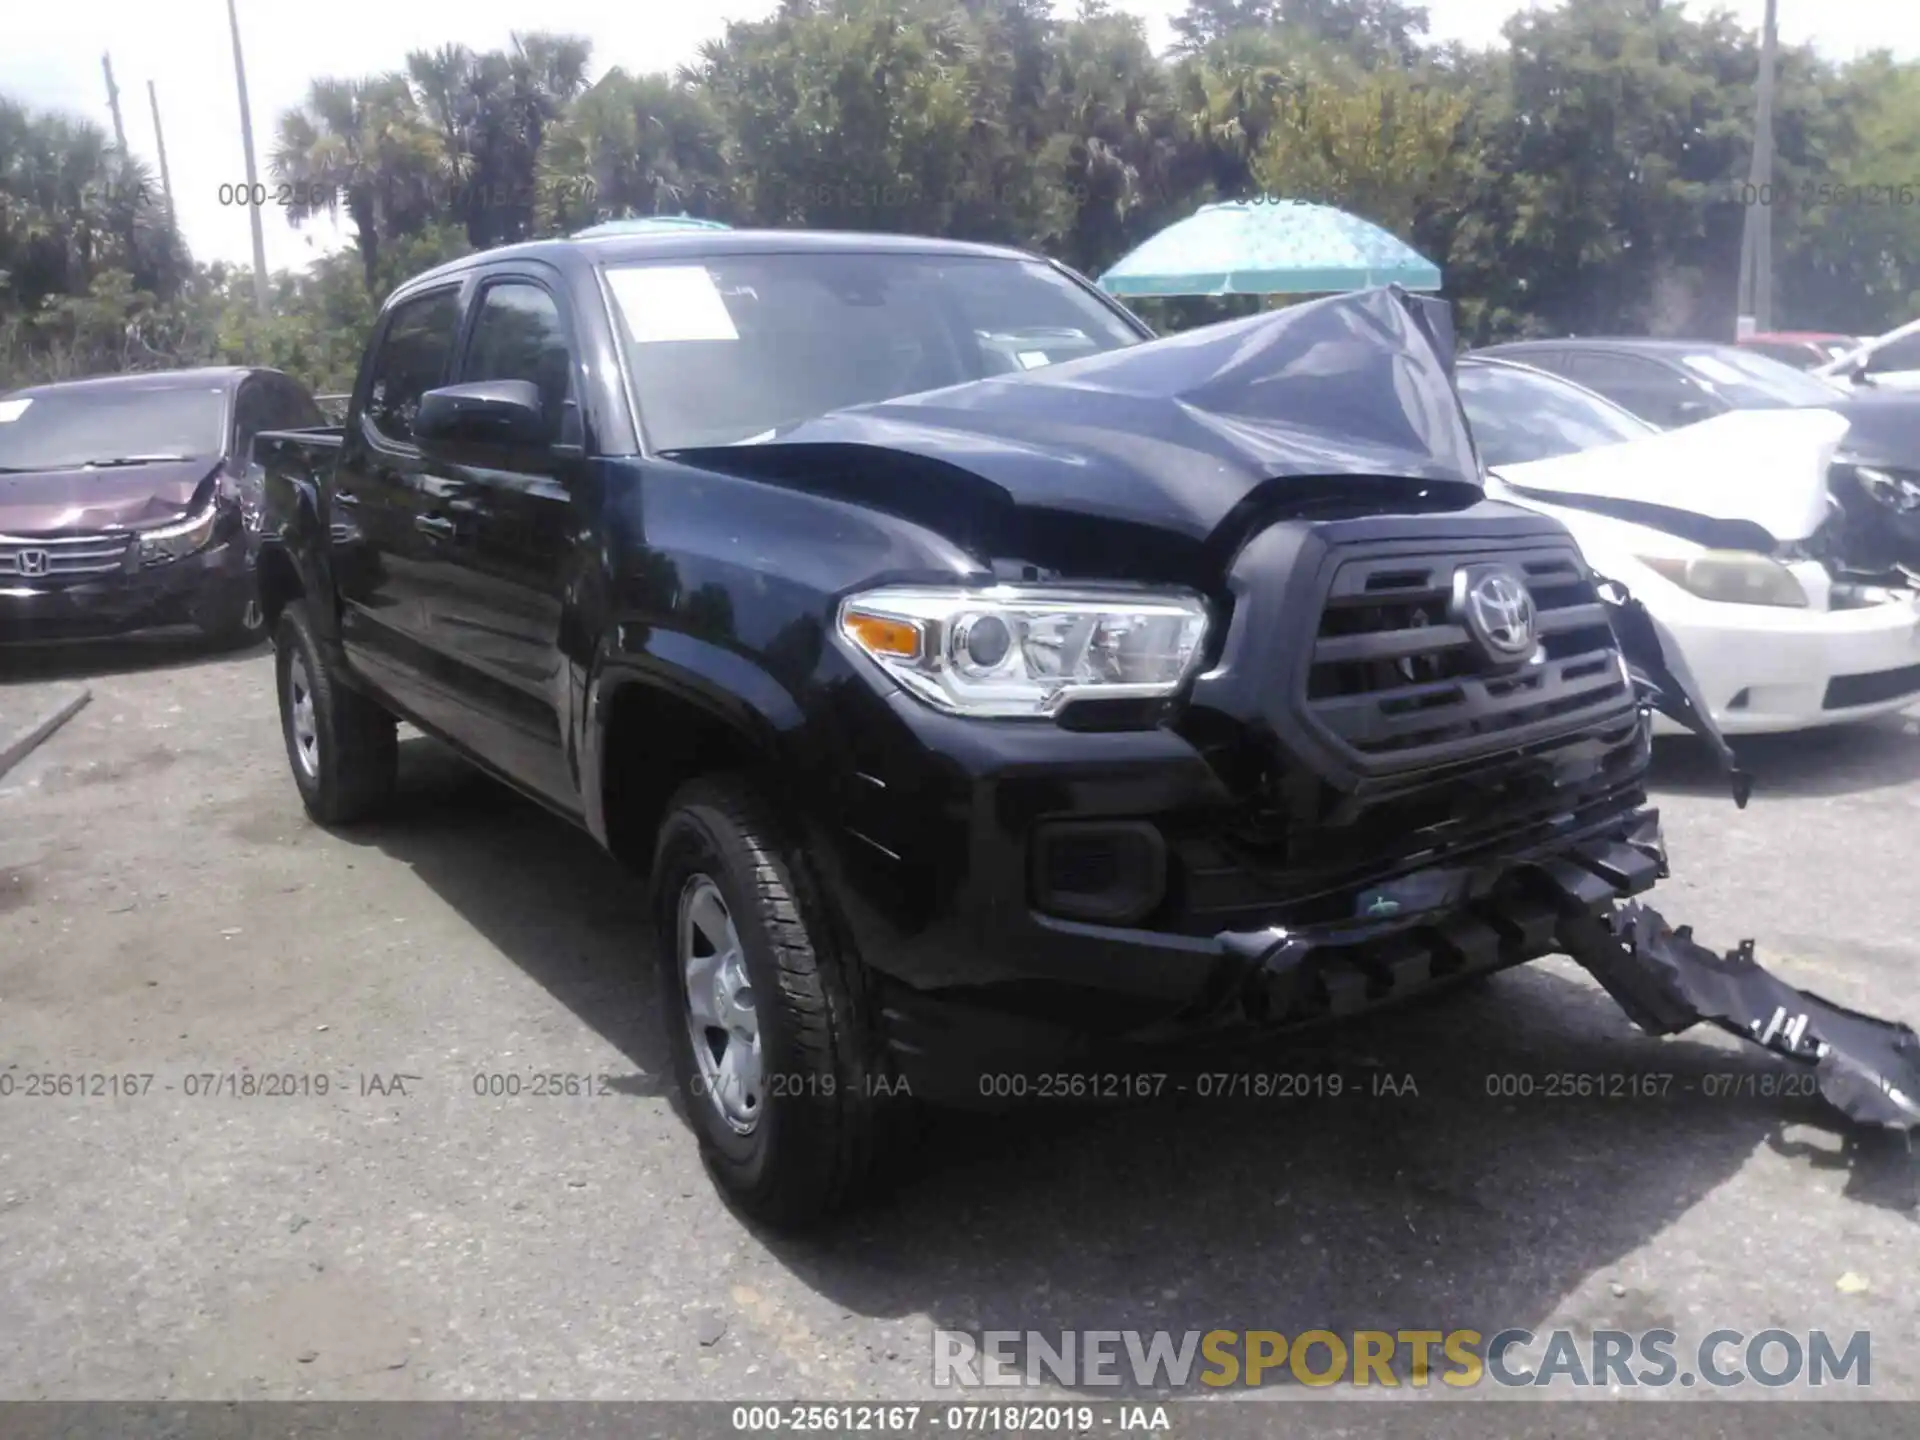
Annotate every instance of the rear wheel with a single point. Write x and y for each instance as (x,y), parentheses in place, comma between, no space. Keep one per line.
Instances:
(341,746)
(766,1019)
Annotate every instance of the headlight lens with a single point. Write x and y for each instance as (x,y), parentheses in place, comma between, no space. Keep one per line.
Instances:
(1025,651)
(1902,492)
(180,539)
(1733,577)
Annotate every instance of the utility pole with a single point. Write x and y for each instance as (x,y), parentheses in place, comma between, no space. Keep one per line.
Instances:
(253,180)
(160,143)
(1756,239)
(113,104)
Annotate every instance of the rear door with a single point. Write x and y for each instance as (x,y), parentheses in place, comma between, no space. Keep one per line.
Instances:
(381,547)
(503,517)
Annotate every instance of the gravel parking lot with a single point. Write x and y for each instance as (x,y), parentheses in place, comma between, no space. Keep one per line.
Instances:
(166,910)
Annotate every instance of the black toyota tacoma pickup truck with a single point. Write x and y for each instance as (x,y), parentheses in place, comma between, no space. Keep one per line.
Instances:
(982,682)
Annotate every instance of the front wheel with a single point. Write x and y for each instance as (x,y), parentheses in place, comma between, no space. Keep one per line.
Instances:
(765,1015)
(342,747)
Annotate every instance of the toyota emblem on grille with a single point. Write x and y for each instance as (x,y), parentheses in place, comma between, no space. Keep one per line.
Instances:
(1498,612)
(32,562)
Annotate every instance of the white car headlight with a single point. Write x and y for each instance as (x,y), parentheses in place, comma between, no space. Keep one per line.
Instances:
(180,539)
(1733,577)
(1020,650)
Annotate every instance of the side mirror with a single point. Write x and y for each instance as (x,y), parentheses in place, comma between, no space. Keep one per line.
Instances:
(1688,411)
(486,412)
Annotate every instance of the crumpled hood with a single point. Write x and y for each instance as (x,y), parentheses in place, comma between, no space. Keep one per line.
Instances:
(1763,467)
(1173,433)
(52,502)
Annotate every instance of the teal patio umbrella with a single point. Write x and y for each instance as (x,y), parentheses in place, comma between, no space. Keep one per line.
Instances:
(1269,247)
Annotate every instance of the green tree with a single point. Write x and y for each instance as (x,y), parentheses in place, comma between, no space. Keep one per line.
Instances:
(1116,163)
(492,112)
(635,145)
(1381,148)
(1847,233)
(856,115)
(1367,31)
(361,146)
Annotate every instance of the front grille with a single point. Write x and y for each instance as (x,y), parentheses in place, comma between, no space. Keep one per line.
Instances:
(63,557)
(1846,691)
(1398,678)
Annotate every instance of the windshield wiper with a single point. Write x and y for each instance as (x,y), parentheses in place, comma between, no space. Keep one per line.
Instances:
(130,460)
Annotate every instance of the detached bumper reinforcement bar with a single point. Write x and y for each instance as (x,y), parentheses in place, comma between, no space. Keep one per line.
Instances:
(1666,981)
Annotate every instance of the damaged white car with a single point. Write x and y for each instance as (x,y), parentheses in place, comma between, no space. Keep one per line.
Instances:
(1715,528)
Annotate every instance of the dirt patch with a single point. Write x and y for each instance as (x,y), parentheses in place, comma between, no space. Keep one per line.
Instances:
(16,890)
(134,767)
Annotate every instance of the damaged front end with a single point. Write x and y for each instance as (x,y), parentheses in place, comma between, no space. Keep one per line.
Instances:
(1666,981)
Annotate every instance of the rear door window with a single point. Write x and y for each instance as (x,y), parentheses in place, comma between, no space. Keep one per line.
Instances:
(415,351)
(1649,390)
(293,408)
(253,411)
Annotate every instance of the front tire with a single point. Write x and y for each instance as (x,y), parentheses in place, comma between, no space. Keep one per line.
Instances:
(341,746)
(766,1018)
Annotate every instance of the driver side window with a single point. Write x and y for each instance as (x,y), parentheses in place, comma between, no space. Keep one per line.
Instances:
(519,335)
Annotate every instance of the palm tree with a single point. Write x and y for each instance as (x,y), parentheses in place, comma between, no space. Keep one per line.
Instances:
(492,113)
(72,205)
(361,145)
(633,145)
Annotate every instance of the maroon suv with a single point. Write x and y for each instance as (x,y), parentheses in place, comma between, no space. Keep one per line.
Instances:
(126,502)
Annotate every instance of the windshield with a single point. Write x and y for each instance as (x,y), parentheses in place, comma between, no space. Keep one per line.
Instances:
(1756,382)
(736,347)
(66,429)
(1522,415)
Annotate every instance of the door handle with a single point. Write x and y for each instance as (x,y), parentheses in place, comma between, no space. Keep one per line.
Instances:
(435,525)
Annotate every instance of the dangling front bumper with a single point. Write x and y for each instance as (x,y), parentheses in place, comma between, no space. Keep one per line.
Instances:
(1667,981)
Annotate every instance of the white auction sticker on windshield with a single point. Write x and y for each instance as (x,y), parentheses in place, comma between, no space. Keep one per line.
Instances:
(1031,359)
(663,303)
(1714,368)
(13,409)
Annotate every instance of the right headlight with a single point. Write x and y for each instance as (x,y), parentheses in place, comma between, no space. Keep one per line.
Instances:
(1733,577)
(1020,650)
(166,543)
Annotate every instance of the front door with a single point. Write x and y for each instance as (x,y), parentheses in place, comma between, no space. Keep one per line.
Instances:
(503,518)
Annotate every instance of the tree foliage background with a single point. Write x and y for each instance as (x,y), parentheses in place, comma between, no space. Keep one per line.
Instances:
(1584,174)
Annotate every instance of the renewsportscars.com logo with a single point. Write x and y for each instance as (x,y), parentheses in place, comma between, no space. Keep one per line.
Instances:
(1566,1360)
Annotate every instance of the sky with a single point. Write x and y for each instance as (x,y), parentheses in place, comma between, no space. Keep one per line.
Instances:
(51,60)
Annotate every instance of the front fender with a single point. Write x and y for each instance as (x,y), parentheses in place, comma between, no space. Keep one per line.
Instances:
(738,693)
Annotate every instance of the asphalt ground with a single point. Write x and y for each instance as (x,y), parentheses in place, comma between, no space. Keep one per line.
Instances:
(167,911)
